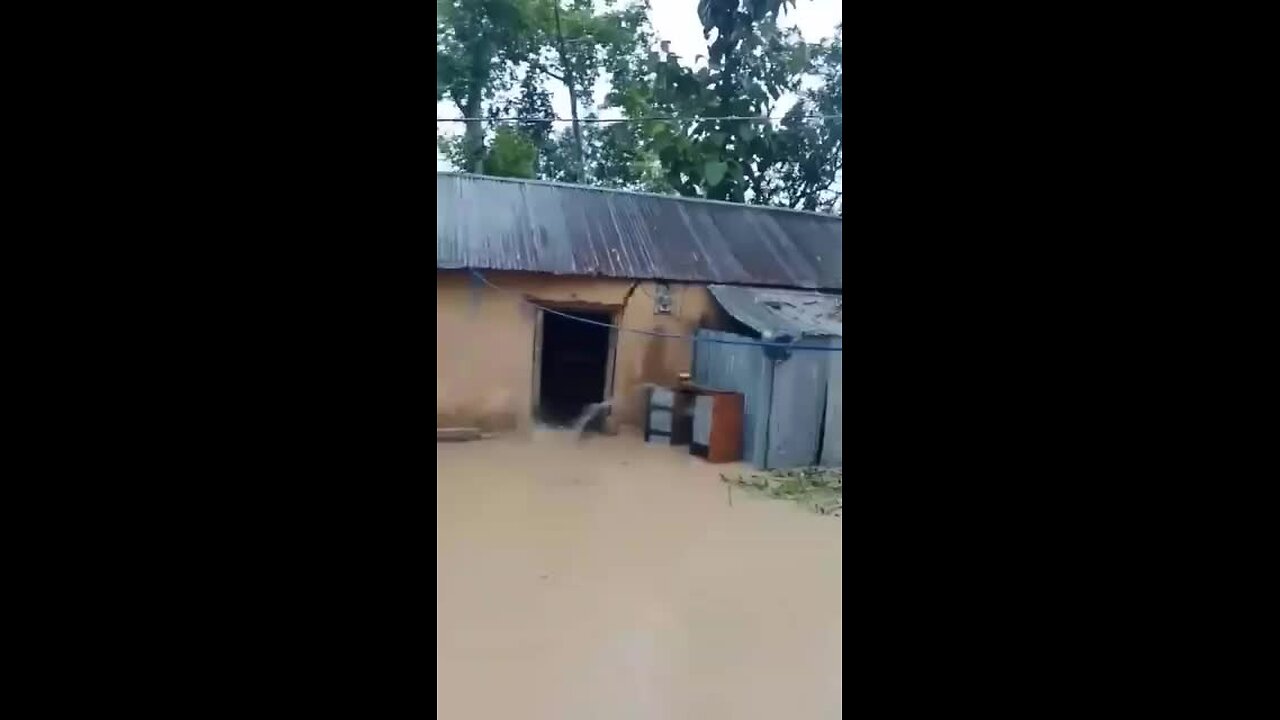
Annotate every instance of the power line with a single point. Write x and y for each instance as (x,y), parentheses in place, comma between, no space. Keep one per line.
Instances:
(654,333)
(647,118)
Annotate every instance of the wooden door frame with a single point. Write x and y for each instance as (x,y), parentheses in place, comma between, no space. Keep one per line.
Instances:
(611,358)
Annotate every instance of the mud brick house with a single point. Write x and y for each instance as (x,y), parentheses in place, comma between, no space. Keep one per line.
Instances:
(632,260)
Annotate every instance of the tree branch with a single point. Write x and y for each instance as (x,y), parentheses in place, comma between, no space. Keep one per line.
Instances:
(534,65)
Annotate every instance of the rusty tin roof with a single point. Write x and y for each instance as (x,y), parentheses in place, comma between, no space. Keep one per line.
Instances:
(506,224)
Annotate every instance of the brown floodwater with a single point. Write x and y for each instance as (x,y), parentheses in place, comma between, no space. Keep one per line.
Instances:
(612,579)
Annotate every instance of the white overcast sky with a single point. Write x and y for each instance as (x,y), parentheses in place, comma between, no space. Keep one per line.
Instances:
(677,21)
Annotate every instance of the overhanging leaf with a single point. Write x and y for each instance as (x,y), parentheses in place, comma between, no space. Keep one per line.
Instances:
(704,14)
(714,172)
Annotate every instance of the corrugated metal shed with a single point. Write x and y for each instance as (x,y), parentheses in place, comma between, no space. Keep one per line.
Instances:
(794,404)
(790,419)
(505,224)
(773,313)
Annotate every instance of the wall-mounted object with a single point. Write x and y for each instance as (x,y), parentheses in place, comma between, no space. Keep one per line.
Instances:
(662,299)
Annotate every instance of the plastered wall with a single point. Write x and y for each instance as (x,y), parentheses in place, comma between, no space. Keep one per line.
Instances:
(484,341)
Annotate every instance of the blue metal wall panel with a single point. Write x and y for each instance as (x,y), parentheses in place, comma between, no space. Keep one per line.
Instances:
(743,369)
(832,431)
(795,416)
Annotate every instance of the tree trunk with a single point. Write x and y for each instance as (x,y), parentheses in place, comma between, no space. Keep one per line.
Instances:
(573,94)
(473,138)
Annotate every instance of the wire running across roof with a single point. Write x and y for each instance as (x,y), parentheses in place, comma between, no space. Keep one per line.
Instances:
(503,224)
(774,313)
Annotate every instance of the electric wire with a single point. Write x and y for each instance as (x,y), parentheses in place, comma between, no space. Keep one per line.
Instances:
(654,333)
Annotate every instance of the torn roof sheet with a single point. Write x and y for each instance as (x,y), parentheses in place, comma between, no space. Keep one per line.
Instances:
(504,224)
(773,312)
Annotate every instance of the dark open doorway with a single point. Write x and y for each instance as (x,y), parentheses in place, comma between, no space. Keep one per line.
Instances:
(574,361)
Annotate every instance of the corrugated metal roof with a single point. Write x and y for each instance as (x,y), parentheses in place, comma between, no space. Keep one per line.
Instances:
(772,312)
(504,224)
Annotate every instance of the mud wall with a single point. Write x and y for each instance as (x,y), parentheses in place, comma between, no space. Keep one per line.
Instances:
(484,341)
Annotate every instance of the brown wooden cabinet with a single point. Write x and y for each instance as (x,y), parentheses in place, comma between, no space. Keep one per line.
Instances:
(717,426)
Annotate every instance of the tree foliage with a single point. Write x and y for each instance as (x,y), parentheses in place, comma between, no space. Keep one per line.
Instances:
(478,42)
(497,58)
(752,63)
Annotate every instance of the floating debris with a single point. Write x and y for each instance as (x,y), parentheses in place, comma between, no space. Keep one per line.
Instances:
(816,488)
(458,434)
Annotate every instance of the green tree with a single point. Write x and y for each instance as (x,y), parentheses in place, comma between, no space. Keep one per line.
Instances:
(496,58)
(582,43)
(478,45)
(810,153)
(751,64)
(515,149)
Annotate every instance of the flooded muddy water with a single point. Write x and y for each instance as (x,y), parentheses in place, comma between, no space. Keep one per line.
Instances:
(607,578)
